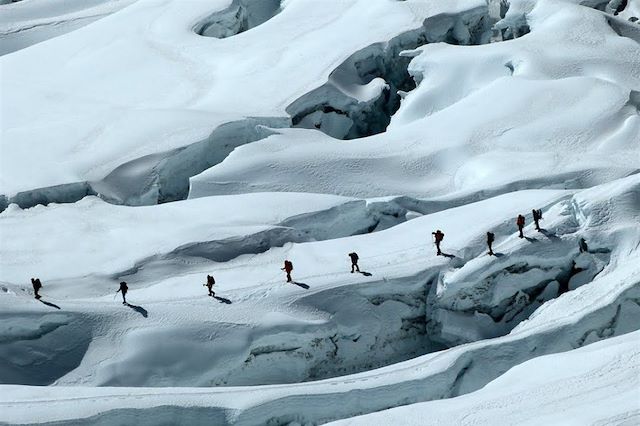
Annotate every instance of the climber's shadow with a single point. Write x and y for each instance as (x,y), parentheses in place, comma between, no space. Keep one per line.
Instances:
(303,285)
(49,304)
(139,309)
(223,300)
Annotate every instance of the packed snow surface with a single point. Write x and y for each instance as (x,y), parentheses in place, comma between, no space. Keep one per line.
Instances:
(27,22)
(160,141)
(598,384)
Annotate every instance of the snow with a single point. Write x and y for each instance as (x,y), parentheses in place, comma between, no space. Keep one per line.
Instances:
(198,82)
(24,23)
(326,309)
(170,140)
(597,384)
(82,243)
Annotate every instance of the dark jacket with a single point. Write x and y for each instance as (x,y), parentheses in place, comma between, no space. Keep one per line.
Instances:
(37,285)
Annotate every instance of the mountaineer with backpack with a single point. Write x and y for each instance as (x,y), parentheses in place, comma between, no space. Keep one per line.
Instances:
(288,267)
(490,239)
(582,245)
(439,236)
(537,216)
(37,285)
(123,288)
(209,285)
(520,223)
(354,262)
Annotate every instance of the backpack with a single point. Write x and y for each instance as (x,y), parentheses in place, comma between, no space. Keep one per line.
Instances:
(520,220)
(490,237)
(288,265)
(123,287)
(353,256)
(539,212)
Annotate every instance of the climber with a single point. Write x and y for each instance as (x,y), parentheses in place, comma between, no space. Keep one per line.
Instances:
(288,267)
(439,236)
(37,285)
(209,285)
(583,245)
(520,223)
(490,239)
(123,288)
(537,216)
(354,262)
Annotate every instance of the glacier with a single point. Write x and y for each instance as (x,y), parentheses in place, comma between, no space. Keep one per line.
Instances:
(159,141)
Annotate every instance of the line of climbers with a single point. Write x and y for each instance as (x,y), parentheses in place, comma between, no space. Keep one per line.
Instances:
(288,265)
(438,235)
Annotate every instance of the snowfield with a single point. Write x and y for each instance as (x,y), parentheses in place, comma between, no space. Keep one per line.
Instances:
(27,22)
(604,375)
(160,141)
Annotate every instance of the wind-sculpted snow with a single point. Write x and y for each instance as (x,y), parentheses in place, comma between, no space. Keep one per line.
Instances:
(450,373)
(199,83)
(100,238)
(341,342)
(365,90)
(165,176)
(240,16)
(510,82)
(172,141)
(558,387)
(155,178)
(34,21)
(38,348)
(244,280)
(487,299)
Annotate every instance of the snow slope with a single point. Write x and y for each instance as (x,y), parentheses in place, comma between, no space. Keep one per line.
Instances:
(198,82)
(526,136)
(171,140)
(597,384)
(86,229)
(27,22)
(290,329)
